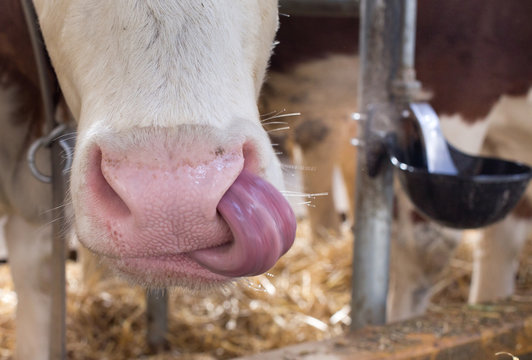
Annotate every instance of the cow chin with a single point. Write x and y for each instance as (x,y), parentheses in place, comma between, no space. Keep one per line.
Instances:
(155,271)
(167,271)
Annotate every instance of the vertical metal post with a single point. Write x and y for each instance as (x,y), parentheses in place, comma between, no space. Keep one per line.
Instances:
(405,85)
(381,24)
(157,315)
(57,348)
(58,315)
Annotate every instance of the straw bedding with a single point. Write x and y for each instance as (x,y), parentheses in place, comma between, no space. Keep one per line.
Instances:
(283,307)
(304,297)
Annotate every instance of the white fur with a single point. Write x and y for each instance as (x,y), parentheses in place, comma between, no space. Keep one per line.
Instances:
(467,137)
(496,258)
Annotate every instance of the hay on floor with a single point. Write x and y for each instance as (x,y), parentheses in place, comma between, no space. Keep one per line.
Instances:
(304,297)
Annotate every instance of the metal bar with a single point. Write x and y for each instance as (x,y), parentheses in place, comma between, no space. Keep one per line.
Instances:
(57,349)
(379,57)
(157,315)
(322,8)
(405,86)
(408,34)
(41,62)
(59,251)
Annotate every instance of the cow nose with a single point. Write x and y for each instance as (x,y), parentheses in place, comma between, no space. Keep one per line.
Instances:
(150,199)
(199,203)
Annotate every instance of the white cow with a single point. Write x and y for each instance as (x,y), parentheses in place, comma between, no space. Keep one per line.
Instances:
(172,175)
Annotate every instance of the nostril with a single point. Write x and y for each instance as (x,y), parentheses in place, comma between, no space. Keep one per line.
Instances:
(251,163)
(106,198)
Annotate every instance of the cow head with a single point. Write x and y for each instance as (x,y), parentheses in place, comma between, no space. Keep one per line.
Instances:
(171,181)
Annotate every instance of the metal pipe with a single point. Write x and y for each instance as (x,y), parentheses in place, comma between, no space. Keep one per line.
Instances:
(379,60)
(322,8)
(405,86)
(157,319)
(59,251)
(408,34)
(57,348)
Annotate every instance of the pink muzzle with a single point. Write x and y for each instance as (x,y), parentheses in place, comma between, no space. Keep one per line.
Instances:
(200,211)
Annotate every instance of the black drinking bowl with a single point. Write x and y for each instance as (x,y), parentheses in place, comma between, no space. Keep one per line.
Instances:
(483,191)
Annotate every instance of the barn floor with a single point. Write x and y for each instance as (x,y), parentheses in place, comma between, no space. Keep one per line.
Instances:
(489,331)
(304,298)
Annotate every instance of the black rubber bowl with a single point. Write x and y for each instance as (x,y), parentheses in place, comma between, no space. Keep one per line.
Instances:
(484,191)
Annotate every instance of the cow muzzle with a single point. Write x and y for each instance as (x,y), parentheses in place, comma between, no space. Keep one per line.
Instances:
(185,208)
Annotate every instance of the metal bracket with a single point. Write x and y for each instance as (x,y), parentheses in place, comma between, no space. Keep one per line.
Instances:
(378,125)
(46,142)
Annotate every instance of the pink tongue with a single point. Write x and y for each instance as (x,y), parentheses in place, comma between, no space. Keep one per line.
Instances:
(263,226)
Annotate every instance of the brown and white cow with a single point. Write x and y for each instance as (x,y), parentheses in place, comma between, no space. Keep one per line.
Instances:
(474,58)
(174,179)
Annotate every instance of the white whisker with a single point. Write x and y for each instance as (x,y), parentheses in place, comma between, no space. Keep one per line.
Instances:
(298,167)
(66,137)
(65,204)
(271,112)
(280,115)
(275,123)
(288,193)
(71,134)
(53,221)
(279,129)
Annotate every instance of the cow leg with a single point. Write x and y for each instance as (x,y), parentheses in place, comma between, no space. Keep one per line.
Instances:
(496,253)
(495,259)
(416,268)
(420,252)
(29,250)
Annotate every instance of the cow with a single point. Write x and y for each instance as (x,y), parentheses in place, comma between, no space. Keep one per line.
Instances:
(174,180)
(472,59)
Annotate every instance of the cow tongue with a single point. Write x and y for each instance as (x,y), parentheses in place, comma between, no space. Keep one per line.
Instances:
(263,226)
